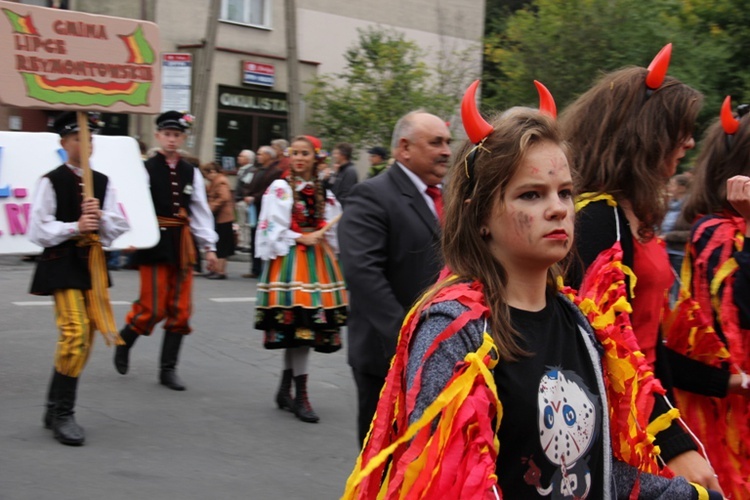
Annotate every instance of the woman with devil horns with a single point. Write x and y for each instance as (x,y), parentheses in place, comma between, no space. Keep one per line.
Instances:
(717,281)
(628,134)
(498,387)
(302,300)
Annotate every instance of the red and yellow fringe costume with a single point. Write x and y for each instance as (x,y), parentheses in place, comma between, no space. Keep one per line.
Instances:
(722,424)
(629,379)
(458,458)
(631,385)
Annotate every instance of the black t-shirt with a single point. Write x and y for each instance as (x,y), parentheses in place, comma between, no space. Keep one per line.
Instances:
(551,431)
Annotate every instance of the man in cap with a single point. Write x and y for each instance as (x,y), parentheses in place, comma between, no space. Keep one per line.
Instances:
(179,197)
(378,161)
(72,229)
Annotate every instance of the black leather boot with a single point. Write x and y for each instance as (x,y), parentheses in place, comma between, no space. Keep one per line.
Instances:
(64,425)
(122,352)
(170,350)
(302,409)
(284,395)
(51,398)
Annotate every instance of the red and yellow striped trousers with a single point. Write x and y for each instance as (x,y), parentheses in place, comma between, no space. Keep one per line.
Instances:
(166,293)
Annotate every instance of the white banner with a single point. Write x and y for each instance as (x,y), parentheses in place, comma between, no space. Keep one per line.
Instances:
(26,156)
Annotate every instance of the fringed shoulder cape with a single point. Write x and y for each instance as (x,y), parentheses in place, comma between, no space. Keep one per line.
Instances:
(706,326)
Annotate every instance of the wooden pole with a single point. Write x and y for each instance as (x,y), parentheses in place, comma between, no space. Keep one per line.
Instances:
(84,137)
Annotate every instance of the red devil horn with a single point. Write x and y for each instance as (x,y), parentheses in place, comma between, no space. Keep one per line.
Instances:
(728,121)
(546,101)
(476,127)
(657,70)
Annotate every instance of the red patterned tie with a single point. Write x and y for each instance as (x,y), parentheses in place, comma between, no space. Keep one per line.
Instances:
(436,194)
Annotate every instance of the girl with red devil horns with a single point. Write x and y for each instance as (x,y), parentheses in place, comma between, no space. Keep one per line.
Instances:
(628,134)
(497,387)
(717,278)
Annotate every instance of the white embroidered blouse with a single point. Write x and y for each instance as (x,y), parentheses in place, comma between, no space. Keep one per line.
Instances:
(274,236)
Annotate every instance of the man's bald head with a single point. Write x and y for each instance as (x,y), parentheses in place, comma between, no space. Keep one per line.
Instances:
(421,142)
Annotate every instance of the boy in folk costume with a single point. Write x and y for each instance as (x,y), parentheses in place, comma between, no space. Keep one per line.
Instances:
(179,197)
(72,229)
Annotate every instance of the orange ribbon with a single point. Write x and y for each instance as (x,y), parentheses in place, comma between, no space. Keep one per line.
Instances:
(187,250)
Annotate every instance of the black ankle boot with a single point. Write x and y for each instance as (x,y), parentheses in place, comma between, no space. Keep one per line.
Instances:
(64,425)
(122,352)
(170,351)
(284,396)
(49,413)
(302,409)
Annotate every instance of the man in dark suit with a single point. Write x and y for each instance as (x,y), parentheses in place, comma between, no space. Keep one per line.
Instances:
(389,237)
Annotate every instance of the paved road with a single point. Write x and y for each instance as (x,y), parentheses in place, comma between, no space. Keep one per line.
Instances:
(223,438)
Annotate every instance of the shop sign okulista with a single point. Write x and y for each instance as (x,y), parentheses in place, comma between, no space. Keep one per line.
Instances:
(253,102)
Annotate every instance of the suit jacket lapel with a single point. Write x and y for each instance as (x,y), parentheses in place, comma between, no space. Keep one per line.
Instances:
(414,198)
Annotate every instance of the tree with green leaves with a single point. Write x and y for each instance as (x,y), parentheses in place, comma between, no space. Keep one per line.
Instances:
(567,45)
(385,77)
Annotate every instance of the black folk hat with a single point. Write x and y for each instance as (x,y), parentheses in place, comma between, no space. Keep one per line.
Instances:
(174,120)
(67,123)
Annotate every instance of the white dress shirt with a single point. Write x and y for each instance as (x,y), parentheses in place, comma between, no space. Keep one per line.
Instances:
(421,187)
(46,231)
(201,219)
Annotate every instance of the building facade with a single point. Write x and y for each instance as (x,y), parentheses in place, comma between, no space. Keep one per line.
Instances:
(246,95)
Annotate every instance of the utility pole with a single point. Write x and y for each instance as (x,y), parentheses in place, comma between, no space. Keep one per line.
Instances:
(203,76)
(292,61)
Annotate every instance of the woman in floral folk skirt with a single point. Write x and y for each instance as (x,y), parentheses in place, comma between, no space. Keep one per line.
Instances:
(302,299)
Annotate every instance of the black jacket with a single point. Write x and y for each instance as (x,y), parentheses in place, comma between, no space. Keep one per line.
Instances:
(390,254)
(170,191)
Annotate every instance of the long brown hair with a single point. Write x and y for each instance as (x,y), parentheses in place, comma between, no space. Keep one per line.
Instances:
(320,194)
(469,203)
(620,136)
(721,157)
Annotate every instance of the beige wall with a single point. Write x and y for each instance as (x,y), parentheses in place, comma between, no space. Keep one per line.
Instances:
(455,18)
(328,45)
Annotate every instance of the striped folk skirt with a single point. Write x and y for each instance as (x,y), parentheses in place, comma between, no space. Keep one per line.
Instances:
(302,300)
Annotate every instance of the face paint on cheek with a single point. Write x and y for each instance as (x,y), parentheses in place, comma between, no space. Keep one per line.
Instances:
(522,224)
